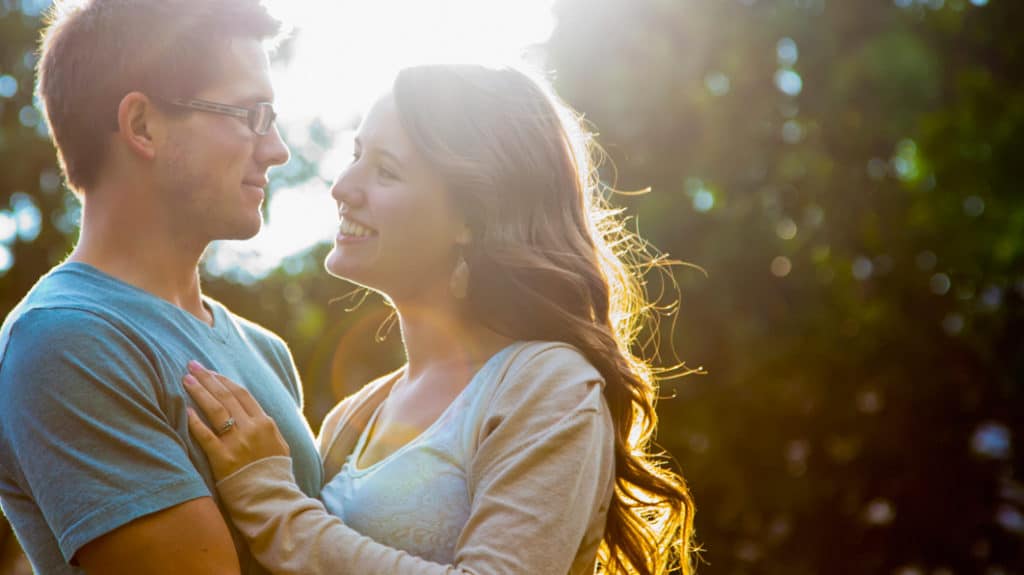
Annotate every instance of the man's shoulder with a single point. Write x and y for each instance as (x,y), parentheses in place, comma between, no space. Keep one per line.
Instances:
(57,321)
(56,310)
(69,291)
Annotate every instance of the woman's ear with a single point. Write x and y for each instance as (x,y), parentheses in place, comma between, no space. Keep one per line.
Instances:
(135,123)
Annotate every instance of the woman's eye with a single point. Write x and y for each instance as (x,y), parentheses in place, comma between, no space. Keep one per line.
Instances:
(386,173)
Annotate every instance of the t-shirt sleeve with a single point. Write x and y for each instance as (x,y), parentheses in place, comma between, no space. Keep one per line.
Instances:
(86,435)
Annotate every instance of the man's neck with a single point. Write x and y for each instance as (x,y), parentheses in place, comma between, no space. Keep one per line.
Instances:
(139,250)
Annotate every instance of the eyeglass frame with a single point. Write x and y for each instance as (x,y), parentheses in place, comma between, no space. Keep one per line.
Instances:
(250,115)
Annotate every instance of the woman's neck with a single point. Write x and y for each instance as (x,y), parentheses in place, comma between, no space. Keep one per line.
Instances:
(440,338)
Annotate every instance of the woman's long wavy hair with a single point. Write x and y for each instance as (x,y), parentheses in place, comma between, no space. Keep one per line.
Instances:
(550,260)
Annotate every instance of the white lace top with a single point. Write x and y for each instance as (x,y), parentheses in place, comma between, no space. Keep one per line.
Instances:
(416,499)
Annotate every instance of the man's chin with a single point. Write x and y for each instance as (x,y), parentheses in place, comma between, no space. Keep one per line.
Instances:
(243,231)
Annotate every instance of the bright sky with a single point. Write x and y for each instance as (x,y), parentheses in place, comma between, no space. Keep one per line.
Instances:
(345,54)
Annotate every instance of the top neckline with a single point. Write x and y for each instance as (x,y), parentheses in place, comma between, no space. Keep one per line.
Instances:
(218,329)
(357,452)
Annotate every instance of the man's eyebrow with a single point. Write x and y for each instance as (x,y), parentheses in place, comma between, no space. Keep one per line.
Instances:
(256,99)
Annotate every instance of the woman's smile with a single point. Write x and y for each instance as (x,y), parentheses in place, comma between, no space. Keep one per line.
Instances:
(350,231)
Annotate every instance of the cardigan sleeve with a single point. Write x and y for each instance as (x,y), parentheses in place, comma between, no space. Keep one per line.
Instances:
(544,471)
(541,476)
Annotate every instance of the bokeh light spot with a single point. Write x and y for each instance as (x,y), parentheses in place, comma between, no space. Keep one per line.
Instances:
(974,206)
(879,512)
(862,268)
(870,402)
(27,216)
(992,297)
(34,7)
(717,83)
(781,266)
(814,215)
(953,323)
(8,227)
(877,169)
(703,201)
(796,454)
(49,181)
(787,52)
(1010,518)
(28,116)
(8,86)
(906,162)
(698,442)
(792,132)
(926,260)
(703,198)
(6,259)
(992,440)
(789,82)
(786,229)
(940,284)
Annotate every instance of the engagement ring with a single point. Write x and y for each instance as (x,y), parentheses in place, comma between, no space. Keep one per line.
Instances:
(226,427)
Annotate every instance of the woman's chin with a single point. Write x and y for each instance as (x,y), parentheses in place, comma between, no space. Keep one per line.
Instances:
(338,266)
(334,263)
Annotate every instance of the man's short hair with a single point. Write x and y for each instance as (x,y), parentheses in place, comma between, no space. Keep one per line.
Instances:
(94,52)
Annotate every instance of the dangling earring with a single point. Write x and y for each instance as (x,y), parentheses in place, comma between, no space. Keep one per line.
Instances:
(459,284)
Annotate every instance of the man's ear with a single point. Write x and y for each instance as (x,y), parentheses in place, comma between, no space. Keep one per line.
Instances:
(136,122)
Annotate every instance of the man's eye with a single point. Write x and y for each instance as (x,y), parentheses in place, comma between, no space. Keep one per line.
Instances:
(386,173)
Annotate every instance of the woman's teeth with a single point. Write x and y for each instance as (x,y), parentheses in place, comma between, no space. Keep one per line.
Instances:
(350,228)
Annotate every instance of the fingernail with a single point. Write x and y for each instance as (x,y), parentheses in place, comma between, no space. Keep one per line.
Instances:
(189,380)
(195,365)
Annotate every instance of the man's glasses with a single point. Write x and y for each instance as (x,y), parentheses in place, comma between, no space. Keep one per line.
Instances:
(260,117)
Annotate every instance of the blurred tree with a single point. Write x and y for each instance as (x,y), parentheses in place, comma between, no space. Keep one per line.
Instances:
(843,171)
(37,218)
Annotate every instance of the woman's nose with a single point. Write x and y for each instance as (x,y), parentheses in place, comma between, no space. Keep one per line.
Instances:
(347,188)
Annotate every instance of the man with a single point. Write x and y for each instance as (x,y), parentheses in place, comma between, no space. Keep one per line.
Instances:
(161,113)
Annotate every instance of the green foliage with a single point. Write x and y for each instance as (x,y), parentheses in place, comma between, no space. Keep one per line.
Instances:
(846,172)
(861,324)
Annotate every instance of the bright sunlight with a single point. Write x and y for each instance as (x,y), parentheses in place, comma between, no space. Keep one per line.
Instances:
(342,55)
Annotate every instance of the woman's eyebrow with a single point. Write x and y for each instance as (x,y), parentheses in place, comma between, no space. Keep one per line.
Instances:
(379,150)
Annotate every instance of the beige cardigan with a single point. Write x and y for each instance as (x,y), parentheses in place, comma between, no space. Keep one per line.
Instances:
(540,481)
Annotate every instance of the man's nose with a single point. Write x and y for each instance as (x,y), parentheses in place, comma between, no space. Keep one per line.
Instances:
(271,149)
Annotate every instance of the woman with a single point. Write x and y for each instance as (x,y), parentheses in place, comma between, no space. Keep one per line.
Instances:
(514,440)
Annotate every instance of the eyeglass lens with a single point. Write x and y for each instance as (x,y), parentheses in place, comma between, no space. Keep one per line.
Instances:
(261,118)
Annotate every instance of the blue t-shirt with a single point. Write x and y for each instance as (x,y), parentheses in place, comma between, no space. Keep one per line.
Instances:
(93,427)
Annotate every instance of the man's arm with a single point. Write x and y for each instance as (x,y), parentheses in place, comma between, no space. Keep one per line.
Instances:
(187,538)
